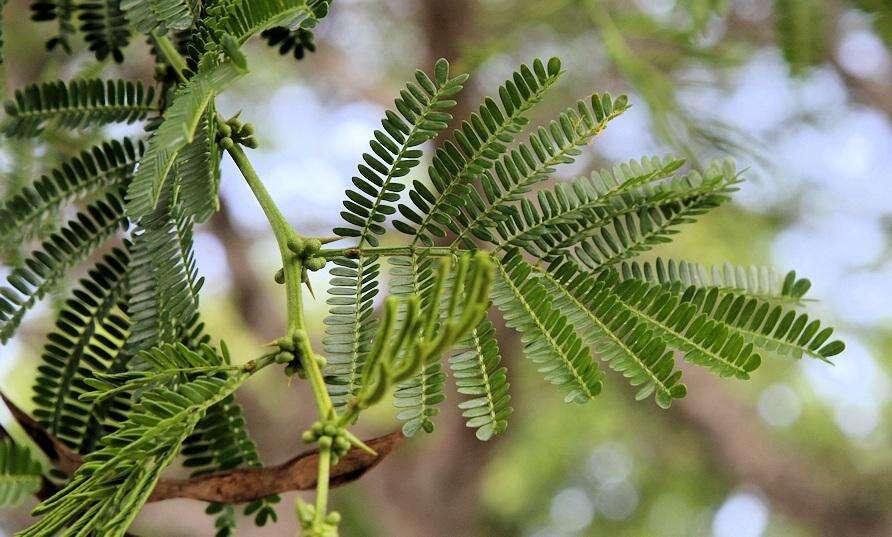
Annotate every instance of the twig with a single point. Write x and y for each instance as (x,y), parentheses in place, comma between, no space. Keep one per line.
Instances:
(63,457)
(249,484)
(232,486)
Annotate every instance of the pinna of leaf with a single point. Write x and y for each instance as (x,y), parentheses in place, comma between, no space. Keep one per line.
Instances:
(131,379)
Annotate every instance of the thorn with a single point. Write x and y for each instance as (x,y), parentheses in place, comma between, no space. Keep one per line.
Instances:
(310,288)
(326,240)
(359,443)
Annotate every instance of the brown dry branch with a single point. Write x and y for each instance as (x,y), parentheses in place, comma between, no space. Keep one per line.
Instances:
(249,484)
(62,457)
(234,486)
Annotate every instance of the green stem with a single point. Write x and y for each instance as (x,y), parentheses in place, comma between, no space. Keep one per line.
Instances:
(253,366)
(283,233)
(322,485)
(293,276)
(293,269)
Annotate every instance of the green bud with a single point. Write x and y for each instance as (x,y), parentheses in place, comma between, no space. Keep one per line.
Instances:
(290,370)
(317,428)
(308,437)
(248,129)
(280,274)
(325,442)
(225,130)
(305,512)
(250,142)
(296,245)
(334,459)
(330,430)
(284,357)
(227,143)
(313,247)
(285,343)
(298,336)
(342,444)
(315,263)
(320,361)
(333,518)
(235,123)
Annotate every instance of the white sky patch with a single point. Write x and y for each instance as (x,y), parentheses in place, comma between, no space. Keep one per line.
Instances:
(823,247)
(572,510)
(211,259)
(742,515)
(659,9)
(821,91)
(762,97)
(862,297)
(779,406)
(618,501)
(837,254)
(9,355)
(609,464)
(854,387)
(352,128)
(863,54)
(313,156)
(629,135)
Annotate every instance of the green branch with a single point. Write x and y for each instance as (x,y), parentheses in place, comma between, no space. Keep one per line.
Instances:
(296,329)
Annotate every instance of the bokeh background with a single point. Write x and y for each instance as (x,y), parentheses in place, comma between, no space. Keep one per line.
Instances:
(799,92)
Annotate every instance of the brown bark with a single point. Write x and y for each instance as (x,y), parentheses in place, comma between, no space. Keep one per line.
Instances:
(249,484)
(58,453)
(233,486)
(445,24)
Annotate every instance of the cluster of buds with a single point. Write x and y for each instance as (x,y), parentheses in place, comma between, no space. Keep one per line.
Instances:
(291,356)
(306,514)
(329,435)
(233,132)
(306,252)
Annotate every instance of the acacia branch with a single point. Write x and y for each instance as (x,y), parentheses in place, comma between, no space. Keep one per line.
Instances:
(233,486)
(249,484)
